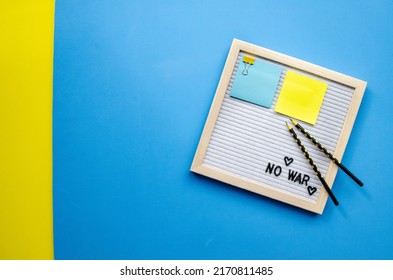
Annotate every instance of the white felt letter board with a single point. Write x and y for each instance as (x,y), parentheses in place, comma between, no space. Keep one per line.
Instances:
(249,146)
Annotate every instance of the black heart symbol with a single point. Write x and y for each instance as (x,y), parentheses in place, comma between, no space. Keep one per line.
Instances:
(311,190)
(288,161)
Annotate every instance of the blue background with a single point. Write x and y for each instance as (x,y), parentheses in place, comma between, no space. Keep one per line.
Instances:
(133,83)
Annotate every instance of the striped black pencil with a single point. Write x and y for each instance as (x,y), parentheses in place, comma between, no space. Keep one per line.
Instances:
(326,152)
(313,166)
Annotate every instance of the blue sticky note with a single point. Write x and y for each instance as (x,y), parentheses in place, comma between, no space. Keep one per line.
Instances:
(256,83)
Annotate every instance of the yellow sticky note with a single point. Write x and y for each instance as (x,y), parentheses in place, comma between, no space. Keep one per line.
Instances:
(26,55)
(301,97)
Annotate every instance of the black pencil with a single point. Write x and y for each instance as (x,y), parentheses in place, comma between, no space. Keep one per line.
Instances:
(313,166)
(327,153)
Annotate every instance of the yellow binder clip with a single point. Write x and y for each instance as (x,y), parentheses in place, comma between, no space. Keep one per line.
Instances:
(248,61)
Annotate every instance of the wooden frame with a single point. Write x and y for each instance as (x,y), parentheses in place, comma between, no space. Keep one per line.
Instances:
(198,165)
